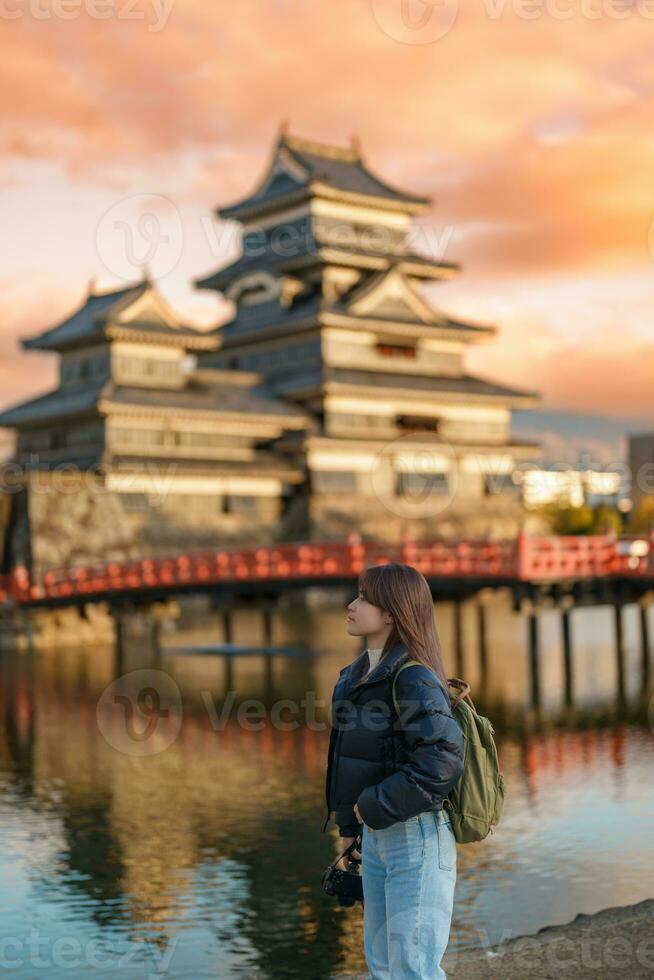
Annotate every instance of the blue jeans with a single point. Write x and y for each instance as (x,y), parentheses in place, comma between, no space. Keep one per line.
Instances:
(409,874)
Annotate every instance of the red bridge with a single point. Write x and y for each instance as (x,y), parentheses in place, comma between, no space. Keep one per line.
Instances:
(480,563)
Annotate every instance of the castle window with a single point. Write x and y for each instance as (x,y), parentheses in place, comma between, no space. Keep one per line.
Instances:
(235,503)
(141,367)
(396,350)
(496,483)
(417,423)
(100,365)
(335,481)
(421,484)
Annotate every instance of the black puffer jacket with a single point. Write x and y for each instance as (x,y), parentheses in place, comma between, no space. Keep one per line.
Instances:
(394,768)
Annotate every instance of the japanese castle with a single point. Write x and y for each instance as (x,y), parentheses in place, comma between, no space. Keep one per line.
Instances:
(334,399)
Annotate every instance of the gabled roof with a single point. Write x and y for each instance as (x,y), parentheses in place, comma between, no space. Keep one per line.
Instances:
(380,298)
(466,384)
(212,391)
(387,295)
(136,311)
(209,390)
(300,168)
(380,383)
(54,404)
(417,265)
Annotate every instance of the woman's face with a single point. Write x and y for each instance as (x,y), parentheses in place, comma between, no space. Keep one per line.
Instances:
(364,619)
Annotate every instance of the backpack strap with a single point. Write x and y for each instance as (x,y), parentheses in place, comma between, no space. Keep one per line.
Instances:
(456,682)
(464,694)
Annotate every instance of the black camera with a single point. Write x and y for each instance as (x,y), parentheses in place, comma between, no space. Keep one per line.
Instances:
(347,886)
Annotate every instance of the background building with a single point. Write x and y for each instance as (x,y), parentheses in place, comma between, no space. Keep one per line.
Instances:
(641,466)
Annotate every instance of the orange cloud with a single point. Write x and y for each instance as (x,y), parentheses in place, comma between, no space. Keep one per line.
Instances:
(533,136)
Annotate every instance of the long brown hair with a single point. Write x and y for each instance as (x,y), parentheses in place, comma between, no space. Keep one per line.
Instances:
(403,591)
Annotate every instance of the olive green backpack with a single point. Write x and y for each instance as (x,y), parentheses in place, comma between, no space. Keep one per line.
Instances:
(475,803)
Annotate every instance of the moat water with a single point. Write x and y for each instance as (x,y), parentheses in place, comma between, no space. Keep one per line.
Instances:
(195,849)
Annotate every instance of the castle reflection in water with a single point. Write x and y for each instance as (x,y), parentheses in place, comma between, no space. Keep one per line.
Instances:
(210,851)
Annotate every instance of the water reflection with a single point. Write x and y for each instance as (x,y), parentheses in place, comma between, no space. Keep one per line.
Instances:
(205,858)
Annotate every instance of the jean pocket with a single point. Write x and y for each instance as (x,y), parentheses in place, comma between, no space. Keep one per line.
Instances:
(446,846)
(414,836)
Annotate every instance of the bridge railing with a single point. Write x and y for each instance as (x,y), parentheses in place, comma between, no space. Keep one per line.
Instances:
(525,558)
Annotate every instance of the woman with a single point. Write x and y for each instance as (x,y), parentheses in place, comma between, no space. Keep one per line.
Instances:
(387,775)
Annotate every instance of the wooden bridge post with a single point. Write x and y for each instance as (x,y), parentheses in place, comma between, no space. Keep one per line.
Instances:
(226,615)
(458,639)
(645,648)
(534,654)
(266,614)
(155,636)
(618,608)
(482,635)
(568,674)
(269,659)
(119,641)
(227,624)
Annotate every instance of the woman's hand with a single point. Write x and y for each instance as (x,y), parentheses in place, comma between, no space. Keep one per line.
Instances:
(345,842)
(359,817)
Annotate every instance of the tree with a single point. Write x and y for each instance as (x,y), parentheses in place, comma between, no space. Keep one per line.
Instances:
(569,519)
(641,519)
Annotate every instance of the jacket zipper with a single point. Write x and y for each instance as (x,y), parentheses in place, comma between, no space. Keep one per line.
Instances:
(334,758)
(330,777)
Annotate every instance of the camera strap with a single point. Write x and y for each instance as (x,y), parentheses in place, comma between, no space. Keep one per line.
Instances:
(355,845)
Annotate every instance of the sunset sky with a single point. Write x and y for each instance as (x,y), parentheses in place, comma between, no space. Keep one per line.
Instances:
(530,125)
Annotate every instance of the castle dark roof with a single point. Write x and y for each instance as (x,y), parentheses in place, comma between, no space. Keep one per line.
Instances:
(54,404)
(467,384)
(301,167)
(137,310)
(206,396)
(422,266)
(255,317)
(262,463)
(202,394)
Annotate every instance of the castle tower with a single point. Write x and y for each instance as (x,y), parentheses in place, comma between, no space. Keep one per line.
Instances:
(329,308)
